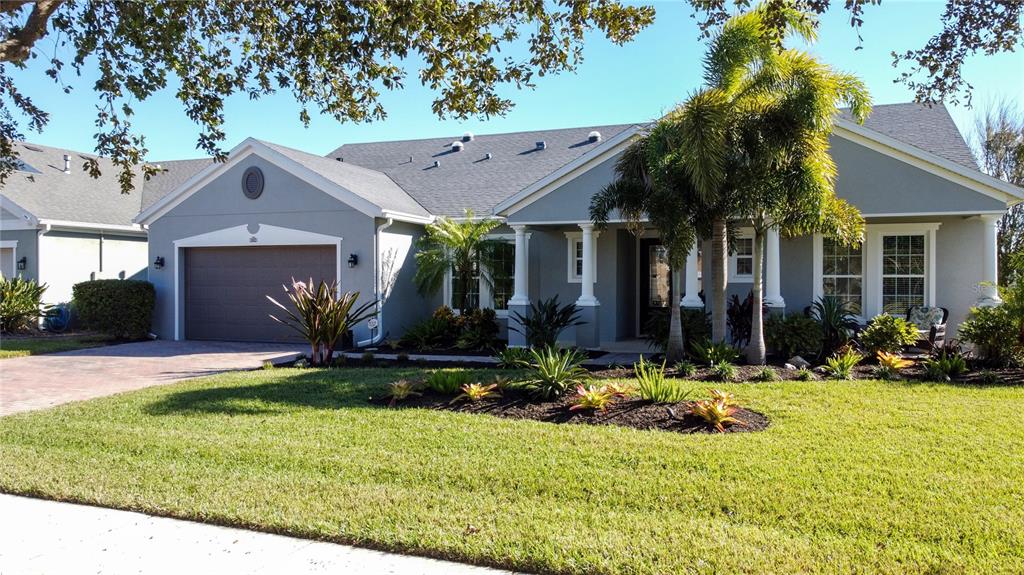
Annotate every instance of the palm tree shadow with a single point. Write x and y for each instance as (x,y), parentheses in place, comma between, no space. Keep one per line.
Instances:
(317,389)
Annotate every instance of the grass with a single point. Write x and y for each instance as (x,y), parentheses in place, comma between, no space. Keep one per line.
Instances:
(22,346)
(857,476)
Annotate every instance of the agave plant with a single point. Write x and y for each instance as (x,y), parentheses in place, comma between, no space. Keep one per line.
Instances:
(555,372)
(321,317)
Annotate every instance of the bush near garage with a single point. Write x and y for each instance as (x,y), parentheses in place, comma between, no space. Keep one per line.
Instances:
(119,308)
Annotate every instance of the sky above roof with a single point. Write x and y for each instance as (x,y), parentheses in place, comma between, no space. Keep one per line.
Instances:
(633,83)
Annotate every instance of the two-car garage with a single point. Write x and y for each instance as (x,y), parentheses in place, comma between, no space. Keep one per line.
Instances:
(226,289)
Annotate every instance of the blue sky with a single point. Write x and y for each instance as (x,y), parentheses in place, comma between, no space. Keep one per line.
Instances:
(636,82)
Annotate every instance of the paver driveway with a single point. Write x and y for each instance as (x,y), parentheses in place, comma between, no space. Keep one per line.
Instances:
(41,381)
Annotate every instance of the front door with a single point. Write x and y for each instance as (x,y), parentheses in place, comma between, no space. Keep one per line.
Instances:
(655,281)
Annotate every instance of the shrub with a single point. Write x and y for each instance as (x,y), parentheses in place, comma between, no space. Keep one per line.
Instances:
(592,397)
(448,381)
(740,319)
(555,372)
(792,334)
(545,321)
(513,357)
(888,334)
(475,392)
(995,333)
(837,320)
(989,377)
(804,374)
(685,369)
(944,367)
(841,364)
(696,326)
(765,374)
(717,414)
(124,308)
(710,353)
(652,385)
(479,330)
(402,390)
(430,333)
(724,371)
(20,303)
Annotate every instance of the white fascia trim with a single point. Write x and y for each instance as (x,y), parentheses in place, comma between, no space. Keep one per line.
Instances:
(570,222)
(409,218)
(133,228)
(266,235)
(248,147)
(18,211)
(935,214)
(929,162)
(566,173)
(8,243)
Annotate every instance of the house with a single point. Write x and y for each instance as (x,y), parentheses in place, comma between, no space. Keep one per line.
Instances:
(233,232)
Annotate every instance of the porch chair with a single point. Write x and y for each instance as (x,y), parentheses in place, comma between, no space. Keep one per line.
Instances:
(931,325)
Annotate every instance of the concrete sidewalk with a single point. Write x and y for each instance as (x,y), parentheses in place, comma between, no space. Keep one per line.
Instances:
(48,537)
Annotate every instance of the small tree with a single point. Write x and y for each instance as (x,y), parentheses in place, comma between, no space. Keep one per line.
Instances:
(999,145)
(321,316)
(461,247)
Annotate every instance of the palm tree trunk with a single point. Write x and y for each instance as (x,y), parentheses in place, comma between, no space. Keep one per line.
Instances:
(719,278)
(675,351)
(756,348)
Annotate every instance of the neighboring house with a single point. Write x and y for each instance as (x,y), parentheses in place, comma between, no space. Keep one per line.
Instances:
(233,232)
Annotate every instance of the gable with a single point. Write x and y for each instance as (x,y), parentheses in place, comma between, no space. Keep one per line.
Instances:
(569,202)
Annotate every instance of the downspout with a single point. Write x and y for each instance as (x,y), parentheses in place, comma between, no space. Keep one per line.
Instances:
(375,339)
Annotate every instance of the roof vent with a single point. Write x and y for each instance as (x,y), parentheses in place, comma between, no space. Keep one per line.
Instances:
(594,136)
(542,145)
(467,137)
(487,156)
(340,159)
(33,148)
(437,163)
(456,146)
(67,164)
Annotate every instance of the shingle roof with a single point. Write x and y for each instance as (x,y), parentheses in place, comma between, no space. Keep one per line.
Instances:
(42,188)
(466,179)
(373,186)
(929,128)
(173,174)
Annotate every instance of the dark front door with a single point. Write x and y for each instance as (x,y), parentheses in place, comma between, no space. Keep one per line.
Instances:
(226,289)
(655,281)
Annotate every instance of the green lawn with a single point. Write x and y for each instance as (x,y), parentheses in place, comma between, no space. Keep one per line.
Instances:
(18,347)
(854,477)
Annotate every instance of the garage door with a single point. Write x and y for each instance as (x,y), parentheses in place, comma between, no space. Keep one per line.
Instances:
(226,289)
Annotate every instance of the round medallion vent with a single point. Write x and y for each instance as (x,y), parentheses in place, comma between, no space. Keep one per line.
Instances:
(252,183)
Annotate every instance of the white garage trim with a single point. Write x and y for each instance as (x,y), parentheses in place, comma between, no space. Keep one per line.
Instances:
(238,236)
(13,246)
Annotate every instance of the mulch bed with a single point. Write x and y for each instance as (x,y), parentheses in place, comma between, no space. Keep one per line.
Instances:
(591,354)
(635,413)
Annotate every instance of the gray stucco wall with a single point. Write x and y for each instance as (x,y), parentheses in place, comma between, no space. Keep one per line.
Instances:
(28,247)
(403,305)
(286,202)
(570,202)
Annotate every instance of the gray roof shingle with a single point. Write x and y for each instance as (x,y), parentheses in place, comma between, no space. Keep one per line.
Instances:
(174,173)
(466,179)
(928,128)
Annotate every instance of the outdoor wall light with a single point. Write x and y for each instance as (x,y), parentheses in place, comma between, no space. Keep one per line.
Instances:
(353,260)
(22,263)
(158,263)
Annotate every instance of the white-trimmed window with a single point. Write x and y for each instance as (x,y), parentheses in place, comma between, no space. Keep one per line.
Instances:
(574,256)
(741,260)
(842,273)
(481,294)
(903,272)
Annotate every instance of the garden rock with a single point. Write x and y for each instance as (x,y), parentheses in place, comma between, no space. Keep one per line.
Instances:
(798,362)
(790,366)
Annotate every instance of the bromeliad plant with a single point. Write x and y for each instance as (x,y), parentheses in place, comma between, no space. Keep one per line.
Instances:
(476,392)
(592,398)
(402,390)
(841,364)
(945,366)
(718,413)
(321,316)
(447,382)
(513,357)
(555,372)
(890,364)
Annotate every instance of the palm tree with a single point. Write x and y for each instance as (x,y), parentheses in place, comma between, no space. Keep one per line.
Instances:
(756,140)
(460,247)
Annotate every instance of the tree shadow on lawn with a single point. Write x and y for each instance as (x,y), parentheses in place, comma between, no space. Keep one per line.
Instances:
(318,389)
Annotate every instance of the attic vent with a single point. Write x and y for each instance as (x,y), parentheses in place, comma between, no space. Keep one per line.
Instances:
(437,163)
(67,164)
(594,136)
(456,146)
(252,182)
(487,156)
(467,137)
(340,159)
(542,145)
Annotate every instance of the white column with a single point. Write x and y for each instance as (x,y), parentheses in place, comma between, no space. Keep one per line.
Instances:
(521,294)
(690,289)
(989,295)
(587,284)
(772,279)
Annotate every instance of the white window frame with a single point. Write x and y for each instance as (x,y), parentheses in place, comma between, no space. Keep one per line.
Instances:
(872,265)
(819,274)
(571,239)
(741,234)
(13,246)
(486,297)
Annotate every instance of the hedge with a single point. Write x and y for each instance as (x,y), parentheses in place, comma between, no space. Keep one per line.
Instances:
(119,308)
